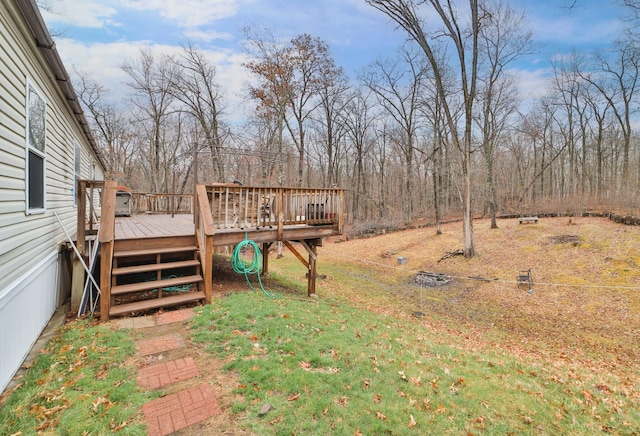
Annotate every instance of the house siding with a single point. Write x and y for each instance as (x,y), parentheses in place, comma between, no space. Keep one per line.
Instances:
(30,243)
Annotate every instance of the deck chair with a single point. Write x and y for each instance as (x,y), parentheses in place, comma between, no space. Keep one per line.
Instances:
(524,279)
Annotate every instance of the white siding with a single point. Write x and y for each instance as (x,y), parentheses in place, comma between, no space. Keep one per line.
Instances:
(29,244)
(19,331)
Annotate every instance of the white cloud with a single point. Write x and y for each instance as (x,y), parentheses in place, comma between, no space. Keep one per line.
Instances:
(80,13)
(532,84)
(207,35)
(190,13)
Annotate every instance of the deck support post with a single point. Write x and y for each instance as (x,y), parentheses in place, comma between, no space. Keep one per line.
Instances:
(265,258)
(311,246)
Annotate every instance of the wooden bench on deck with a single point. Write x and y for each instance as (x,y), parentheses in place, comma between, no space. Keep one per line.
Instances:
(528,220)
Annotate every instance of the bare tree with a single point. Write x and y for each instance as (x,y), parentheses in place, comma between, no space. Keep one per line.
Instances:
(194,85)
(110,124)
(151,83)
(616,78)
(465,46)
(503,39)
(398,86)
(359,119)
(332,90)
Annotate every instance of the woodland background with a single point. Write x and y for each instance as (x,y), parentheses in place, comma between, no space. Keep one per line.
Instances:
(433,131)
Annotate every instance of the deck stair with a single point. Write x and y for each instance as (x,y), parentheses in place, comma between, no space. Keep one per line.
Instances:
(154,273)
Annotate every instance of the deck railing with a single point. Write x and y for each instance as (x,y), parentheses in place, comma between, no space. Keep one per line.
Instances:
(162,203)
(245,207)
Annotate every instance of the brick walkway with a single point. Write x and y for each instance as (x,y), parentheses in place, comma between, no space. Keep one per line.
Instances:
(160,344)
(177,410)
(163,374)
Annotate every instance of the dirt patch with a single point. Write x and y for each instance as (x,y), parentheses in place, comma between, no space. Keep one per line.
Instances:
(565,239)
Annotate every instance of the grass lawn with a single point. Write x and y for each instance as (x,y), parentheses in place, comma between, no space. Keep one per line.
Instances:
(80,384)
(337,369)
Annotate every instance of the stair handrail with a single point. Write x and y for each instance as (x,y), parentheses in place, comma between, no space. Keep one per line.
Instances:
(205,231)
(106,237)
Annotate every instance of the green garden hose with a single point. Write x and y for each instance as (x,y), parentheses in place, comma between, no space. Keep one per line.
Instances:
(247,259)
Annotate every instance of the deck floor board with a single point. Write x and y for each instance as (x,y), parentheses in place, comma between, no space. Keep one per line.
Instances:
(151,226)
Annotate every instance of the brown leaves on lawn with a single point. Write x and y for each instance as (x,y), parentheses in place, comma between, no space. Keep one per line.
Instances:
(305,365)
(293,397)
(47,417)
(412,422)
(100,401)
(380,415)
(343,401)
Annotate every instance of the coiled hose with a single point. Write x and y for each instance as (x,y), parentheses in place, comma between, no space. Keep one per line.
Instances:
(247,259)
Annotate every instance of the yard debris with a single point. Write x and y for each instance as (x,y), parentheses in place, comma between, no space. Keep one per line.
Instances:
(449,254)
(432,280)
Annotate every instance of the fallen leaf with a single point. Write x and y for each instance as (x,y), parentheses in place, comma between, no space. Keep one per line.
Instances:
(277,420)
(412,422)
(380,415)
(305,365)
(377,398)
(99,401)
(343,401)
(402,376)
(293,397)
(118,427)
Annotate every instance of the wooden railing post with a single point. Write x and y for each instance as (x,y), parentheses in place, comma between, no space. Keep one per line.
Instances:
(204,236)
(280,210)
(106,237)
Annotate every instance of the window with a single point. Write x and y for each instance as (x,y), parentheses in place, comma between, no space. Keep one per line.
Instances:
(36,138)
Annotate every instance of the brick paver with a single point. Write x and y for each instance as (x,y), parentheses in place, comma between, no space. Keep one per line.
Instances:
(177,411)
(162,374)
(160,344)
(174,316)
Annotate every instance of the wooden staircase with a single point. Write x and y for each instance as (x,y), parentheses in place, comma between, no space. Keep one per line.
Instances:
(153,273)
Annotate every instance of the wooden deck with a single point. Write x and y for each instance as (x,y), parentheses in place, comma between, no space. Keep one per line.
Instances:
(223,215)
(152,226)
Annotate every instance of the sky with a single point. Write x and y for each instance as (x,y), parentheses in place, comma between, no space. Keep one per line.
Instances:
(95,37)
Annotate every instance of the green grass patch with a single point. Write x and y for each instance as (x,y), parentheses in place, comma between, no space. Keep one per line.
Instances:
(80,384)
(336,369)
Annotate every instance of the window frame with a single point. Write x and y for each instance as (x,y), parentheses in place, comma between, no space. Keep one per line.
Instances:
(30,149)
